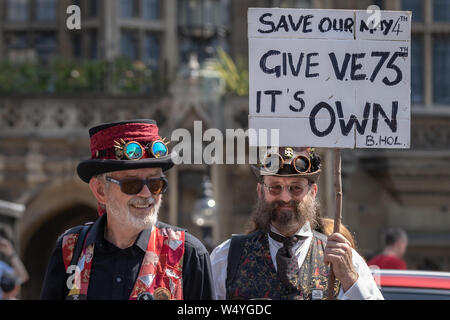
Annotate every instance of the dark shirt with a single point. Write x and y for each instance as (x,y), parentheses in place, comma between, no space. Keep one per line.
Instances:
(114,270)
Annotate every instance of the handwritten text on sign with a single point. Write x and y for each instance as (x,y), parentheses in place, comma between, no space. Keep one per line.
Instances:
(327,78)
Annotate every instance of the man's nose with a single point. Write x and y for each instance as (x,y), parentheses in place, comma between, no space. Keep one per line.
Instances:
(285,195)
(145,192)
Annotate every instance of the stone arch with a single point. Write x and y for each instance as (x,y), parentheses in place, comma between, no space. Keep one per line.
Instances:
(55,209)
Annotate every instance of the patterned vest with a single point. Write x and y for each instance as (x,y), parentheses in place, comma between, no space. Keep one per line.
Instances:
(256,276)
(160,275)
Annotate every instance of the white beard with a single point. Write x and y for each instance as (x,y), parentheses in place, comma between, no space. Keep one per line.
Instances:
(125,217)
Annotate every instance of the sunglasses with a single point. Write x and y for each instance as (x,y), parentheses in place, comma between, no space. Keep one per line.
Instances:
(294,189)
(301,164)
(134,186)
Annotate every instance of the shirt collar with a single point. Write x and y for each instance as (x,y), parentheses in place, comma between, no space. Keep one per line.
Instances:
(304,231)
(92,234)
(143,238)
(96,234)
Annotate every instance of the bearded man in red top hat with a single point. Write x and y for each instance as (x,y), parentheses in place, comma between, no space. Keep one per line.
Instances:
(127,253)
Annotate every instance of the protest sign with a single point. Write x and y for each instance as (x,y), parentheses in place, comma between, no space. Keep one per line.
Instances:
(330,78)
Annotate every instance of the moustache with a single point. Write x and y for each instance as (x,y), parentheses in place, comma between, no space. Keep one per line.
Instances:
(280,203)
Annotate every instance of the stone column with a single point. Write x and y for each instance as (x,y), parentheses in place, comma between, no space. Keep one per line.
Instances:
(110,37)
(111,29)
(2,21)
(64,34)
(428,52)
(170,50)
(140,44)
(222,195)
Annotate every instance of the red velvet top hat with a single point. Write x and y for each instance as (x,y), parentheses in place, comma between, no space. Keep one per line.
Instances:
(125,145)
(292,162)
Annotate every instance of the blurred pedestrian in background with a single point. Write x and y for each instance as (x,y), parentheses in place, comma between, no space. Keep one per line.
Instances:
(10,286)
(13,264)
(395,243)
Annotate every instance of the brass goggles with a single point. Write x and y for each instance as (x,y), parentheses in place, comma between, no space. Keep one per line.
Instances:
(300,163)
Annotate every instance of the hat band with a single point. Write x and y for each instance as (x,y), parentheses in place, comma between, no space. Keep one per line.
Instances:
(105,139)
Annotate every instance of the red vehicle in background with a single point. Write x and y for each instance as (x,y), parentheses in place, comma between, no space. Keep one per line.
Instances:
(412,284)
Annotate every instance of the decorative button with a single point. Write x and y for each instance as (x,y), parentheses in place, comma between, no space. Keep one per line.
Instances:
(145,296)
(118,279)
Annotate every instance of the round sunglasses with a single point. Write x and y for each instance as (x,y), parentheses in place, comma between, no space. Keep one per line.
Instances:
(134,186)
(294,189)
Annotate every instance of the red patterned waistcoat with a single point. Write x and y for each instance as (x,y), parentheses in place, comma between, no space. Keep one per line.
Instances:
(160,275)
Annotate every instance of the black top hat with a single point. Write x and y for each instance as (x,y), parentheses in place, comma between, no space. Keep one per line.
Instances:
(125,145)
(290,162)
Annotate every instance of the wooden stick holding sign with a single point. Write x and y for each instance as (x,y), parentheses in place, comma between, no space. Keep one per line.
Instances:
(337,213)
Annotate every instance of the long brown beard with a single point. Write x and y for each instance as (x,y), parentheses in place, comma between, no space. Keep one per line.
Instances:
(265,213)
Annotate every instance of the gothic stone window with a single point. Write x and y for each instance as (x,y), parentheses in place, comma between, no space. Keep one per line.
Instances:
(430,52)
(46,10)
(17,10)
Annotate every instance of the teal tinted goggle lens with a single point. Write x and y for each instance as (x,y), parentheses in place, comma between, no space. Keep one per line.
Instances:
(133,150)
(158,149)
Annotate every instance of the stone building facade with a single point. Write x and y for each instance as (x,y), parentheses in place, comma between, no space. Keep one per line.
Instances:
(43,138)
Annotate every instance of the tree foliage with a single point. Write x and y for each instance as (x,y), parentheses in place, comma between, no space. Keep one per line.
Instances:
(235,74)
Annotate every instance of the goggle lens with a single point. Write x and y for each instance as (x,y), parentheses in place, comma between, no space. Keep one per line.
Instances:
(273,162)
(301,164)
(159,149)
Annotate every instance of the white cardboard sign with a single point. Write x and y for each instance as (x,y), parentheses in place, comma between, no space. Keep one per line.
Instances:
(329,78)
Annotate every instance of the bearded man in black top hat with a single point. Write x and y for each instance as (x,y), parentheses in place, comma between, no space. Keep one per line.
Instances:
(127,253)
(282,256)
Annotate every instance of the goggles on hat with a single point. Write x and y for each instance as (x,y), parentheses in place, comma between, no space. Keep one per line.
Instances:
(134,186)
(133,150)
(300,163)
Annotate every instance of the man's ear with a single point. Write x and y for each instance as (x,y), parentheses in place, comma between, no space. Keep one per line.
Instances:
(314,190)
(259,190)
(98,189)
